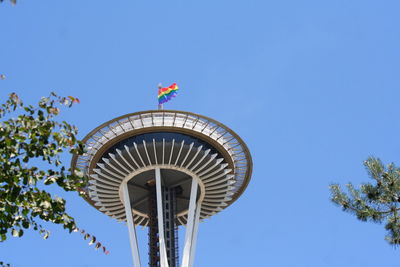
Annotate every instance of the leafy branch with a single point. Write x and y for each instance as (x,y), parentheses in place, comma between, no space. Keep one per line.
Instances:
(30,135)
(14,2)
(93,241)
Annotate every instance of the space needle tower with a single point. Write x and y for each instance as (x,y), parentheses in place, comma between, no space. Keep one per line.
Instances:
(163,169)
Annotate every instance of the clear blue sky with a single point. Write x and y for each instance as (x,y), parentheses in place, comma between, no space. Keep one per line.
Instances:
(311,86)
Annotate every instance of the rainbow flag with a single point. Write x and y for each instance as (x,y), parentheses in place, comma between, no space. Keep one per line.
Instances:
(165,94)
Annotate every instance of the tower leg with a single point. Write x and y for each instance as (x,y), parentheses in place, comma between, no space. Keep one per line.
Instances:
(192,226)
(194,236)
(131,226)
(163,249)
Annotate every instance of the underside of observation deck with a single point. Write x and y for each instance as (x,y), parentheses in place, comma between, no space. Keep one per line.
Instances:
(147,125)
(179,162)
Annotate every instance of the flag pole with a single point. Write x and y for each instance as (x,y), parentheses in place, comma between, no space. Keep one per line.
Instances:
(160,106)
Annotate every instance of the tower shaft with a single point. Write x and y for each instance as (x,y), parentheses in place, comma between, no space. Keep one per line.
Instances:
(154,257)
(170,227)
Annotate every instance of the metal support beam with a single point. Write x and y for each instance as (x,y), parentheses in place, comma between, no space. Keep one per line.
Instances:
(163,250)
(194,236)
(131,226)
(191,225)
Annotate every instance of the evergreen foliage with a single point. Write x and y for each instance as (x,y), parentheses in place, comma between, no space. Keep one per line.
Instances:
(378,201)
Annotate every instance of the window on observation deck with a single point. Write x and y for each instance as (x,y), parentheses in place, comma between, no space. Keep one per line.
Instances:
(159,136)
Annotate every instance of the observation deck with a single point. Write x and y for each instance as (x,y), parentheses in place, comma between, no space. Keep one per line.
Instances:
(206,164)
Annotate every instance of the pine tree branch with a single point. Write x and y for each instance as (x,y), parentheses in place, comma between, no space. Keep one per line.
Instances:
(374,202)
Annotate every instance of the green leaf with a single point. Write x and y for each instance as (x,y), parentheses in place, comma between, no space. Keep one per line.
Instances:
(3,237)
(86,236)
(92,241)
(25,224)
(17,233)
(46,235)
